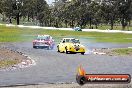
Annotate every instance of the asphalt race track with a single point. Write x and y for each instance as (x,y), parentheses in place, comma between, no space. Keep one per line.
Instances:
(54,67)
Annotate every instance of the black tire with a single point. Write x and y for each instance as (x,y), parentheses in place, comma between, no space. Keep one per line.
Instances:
(66,50)
(58,49)
(34,47)
(82,53)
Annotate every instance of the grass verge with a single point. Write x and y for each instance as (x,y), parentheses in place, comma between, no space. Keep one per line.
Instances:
(7,63)
(14,34)
(123,51)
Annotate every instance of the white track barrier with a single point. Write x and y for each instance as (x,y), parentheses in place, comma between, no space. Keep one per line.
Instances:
(70,29)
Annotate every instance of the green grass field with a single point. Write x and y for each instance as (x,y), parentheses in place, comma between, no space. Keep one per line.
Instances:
(14,34)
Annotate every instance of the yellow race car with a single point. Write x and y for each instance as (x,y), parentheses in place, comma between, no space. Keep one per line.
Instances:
(70,45)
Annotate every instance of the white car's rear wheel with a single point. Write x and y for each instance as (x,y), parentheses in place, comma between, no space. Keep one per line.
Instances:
(34,47)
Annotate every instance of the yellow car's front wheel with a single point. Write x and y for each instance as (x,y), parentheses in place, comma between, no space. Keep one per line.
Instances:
(58,49)
(82,53)
(66,50)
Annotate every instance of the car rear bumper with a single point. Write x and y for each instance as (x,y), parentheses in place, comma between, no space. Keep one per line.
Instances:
(40,46)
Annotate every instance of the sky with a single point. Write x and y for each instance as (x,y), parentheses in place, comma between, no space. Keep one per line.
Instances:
(49,1)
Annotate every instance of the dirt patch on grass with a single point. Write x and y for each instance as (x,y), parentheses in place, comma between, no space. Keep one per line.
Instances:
(10,58)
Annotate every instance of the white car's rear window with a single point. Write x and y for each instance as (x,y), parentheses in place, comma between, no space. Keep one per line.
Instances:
(43,37)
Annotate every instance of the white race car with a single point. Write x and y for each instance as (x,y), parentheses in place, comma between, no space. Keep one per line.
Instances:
(43,41)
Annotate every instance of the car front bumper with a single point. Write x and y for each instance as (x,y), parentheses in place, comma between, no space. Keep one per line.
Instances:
(78,50)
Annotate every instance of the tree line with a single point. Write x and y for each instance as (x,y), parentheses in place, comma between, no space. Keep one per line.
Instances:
(72,13)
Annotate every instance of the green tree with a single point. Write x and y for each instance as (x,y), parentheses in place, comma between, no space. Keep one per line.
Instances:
(109,12)
(125,13)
